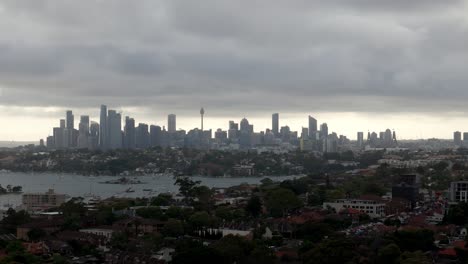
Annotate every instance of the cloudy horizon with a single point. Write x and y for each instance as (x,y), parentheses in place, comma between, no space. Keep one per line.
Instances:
(358,65)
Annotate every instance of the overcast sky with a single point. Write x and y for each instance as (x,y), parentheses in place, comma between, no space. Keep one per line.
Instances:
(356,64)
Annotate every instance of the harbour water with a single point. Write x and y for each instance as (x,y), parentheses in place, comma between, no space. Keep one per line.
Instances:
(78,185)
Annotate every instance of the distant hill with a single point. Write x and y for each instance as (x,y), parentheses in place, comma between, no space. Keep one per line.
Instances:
(12,144)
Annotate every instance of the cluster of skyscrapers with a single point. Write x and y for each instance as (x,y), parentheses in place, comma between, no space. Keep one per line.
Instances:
(385,139)
(458,140)
(110,133)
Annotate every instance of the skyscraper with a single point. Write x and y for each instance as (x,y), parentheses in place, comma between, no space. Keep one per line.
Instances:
(360,139)
(114,123)
(312,127)
(275,124)
(70,120)
(305,132)
(142,136)
(323,131)
(171,123)
(129,133)
(156,136)
(83,132)
(457,138)
(93,135)
(103,133)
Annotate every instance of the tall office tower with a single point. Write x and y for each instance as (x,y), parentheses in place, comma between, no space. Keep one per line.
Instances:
(50,142)
(171,123)
(156,136)
(388,138)
(285,133)
(233,131)
(360,139)
(244,125)
(220,136)
(382,137)
(275,124)
(58,137)
(62,123)
(83,132)
(457,138)
(323,130)
(202,113)
(71,137)
(305,132)
(312,127)
(324,137)
(103,131)
(142,136)
(93,140)
(465,137)
(245,134)
(233,125)
(84,119)
(114,123)
(129,133)
(70,120)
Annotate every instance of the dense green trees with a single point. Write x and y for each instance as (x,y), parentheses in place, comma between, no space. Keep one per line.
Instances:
(331,251)
(254,206)
(173,228)
(228,250)
(280,201)
(14,219)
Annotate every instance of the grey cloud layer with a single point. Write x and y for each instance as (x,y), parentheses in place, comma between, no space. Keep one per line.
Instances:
(261,56)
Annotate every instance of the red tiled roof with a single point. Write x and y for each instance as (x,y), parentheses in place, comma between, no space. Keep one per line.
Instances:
(448,252)
(459,244)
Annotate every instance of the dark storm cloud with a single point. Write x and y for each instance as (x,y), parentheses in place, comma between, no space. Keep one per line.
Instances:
(260,56)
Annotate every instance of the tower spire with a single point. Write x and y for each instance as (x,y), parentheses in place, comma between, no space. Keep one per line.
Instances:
(202,112)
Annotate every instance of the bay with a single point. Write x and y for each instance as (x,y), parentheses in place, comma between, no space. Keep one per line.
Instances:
(81,186)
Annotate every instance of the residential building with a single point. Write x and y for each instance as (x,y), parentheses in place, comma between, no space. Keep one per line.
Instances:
(42,201)
(373,208)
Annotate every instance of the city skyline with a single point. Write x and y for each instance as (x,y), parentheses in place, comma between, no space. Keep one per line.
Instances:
(329,59)
(111,133)
(406,130)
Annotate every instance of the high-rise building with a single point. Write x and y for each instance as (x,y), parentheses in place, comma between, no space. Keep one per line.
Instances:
(323,131)
(457,138)
(83,132)
(103,131)
(129,133)
(50,142)
(465,137)
(58,137)
(70,120)
(360,139)
(142,136)
(312,127)
(305,132)
(71,136)
(156,136)
(93,136)
(275,124)
(171,123)
(62,123)
(233,132)
(114,122)
(221,136)
(388,138)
